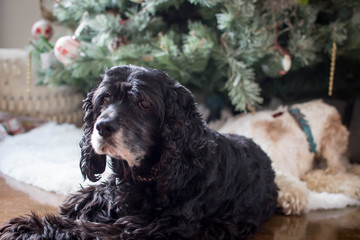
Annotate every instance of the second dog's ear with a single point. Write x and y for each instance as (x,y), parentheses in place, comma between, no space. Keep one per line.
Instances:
(92,165)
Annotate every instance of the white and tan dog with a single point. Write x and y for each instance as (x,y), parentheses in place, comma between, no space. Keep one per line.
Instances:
(293,152)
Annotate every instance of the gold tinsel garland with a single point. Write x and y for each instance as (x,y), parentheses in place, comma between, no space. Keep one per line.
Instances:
(332,68)
(28,74)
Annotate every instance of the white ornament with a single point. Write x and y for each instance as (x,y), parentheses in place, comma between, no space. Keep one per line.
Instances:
(42,28)
(286,62)
(67,49)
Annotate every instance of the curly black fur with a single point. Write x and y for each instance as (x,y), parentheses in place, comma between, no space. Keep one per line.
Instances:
(186,180)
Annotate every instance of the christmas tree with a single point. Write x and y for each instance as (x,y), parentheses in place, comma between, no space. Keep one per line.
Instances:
(214,47)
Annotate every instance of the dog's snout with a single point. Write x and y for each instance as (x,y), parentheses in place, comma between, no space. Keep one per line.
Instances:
(107,127)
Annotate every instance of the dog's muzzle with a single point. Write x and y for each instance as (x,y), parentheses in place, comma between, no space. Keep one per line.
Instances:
(107,127)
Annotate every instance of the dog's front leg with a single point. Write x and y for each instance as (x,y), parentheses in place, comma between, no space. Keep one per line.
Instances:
(93,203)
(88,204)
(293,194)
(72,207)
(342,182)
(81,205)
(34,227)
(334,143)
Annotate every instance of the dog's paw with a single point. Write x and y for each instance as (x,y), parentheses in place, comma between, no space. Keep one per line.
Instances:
(8,235)
(292,202)
(29,227)
(292,194)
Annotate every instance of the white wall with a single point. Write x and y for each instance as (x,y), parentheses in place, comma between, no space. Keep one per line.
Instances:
(16,20)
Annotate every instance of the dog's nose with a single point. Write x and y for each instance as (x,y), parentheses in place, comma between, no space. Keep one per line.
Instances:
(107,127)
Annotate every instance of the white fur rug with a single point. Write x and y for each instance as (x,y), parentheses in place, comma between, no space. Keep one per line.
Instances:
(46,157)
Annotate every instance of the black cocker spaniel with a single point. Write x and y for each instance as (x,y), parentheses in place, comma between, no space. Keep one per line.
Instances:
(174,178)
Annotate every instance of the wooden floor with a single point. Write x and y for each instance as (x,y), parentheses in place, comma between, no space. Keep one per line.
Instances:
(20,199)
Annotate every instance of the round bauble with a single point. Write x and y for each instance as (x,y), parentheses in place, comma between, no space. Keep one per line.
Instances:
(41,28)
(67,49)
(276,65)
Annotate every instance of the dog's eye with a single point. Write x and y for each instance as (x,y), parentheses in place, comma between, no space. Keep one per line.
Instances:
(144,105)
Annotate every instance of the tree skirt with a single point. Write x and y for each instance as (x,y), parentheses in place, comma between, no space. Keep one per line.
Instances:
(46,157)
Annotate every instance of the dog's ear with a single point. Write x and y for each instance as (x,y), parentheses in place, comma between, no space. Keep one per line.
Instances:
(180,108)
(183,142)
(92,165)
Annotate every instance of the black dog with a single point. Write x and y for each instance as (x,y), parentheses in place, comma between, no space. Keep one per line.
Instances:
(174,178)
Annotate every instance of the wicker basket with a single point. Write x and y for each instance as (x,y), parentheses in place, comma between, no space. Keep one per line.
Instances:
(21,97)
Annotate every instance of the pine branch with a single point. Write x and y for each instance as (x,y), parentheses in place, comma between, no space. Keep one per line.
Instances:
(243,91)
(206,3)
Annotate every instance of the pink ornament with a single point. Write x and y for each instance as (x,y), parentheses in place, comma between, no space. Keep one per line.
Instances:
(67,49)
(41,28)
